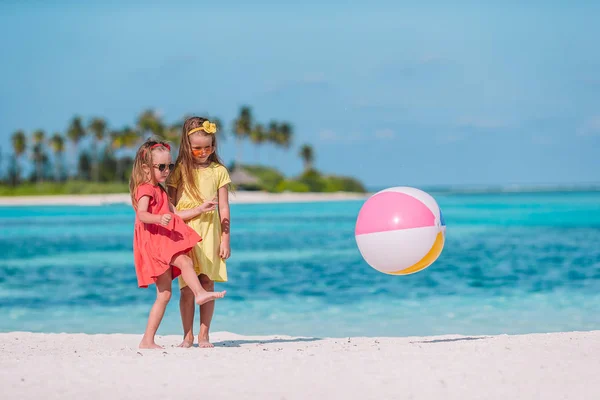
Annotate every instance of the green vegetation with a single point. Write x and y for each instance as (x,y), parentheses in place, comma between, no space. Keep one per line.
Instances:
(268,178)
(100,157)
(271,180)
(71,187)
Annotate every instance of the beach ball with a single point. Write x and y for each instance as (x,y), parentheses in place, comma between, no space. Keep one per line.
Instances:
(400,230)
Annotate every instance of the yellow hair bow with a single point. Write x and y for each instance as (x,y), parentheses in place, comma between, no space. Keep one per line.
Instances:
(207,126)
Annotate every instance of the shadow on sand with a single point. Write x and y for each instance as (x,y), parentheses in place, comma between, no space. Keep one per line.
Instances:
(239,343)
(453,340)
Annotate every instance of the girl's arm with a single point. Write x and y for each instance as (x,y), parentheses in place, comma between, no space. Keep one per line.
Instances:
(225,249)
(144,215)
(175,196)
(194,212)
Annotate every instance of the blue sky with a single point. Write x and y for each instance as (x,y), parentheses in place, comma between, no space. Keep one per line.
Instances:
(395,93)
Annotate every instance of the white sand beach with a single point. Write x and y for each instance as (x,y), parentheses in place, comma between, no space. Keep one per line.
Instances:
(79,366)
(123,198)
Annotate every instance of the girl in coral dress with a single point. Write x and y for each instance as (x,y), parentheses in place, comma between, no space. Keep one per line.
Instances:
(161,238)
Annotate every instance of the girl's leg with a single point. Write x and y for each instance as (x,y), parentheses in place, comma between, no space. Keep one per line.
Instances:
(201,296)
(206,313)
(187,308)
(163,295)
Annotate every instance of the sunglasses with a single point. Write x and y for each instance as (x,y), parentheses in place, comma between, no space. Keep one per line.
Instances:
(162,167)
(202,152)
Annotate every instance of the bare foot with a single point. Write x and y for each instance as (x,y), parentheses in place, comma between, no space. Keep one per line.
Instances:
(209,296)
(152,345)
(204,343)
(186,344)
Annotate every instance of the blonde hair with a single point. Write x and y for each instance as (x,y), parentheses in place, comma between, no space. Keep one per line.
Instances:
(144,157)
(184,165)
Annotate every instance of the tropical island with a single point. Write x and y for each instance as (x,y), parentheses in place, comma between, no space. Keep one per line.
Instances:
(101,157)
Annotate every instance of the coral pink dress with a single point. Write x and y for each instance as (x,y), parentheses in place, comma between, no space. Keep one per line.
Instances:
(154,245)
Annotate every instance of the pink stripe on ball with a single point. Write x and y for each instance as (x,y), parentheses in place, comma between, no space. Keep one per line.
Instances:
(389,211)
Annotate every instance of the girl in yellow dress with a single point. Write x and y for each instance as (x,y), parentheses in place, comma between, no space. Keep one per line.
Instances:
(200,177)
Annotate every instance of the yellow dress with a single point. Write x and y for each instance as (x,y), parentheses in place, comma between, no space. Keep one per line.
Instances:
(208,225)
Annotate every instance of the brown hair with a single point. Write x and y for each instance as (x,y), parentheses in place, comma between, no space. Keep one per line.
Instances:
(184,165)
(144,157)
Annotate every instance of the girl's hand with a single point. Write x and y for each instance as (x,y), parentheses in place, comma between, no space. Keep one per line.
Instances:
(165,219)
(224,250)
(208,206)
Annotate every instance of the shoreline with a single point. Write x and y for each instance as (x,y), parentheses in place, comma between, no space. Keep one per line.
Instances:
(261,197)
(123,198)
(551,366)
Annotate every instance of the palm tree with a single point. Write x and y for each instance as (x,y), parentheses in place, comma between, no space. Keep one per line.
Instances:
(280,134)
(39,155)
(116,144)
(98,128)
(149,122)
(75,133)
(38,136)
(242,126)
(172,133)
(19,143)
(273,132)
(130,137)
(286,132)
(57,142)
(115,139)
(258,136)
(308,156)
(123,139)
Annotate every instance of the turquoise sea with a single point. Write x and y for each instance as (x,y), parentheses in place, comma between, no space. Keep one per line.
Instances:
(512,263)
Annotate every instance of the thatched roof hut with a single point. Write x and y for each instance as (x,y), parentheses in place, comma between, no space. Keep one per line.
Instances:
(241,177)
